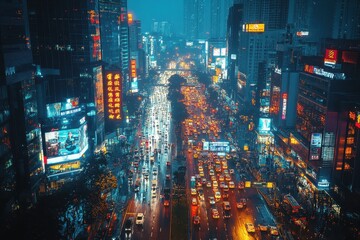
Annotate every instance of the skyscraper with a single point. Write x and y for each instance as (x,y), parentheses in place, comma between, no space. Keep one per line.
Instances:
(124,44)
(346,19)
(66,45)
(110,33)
(219,11)
(21,159)
(194,19)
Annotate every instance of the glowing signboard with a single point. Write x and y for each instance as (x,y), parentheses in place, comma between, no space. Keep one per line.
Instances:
(216,52)
(133,68)
(284,103)
(330,57)
(254,27)
(321,72)
(114,95)
(130,18)
(315,146)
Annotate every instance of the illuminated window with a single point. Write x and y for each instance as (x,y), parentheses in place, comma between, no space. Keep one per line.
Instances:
(350,140)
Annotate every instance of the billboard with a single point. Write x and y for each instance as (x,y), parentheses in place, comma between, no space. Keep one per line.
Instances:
(254,27)
(315,146)
(331,56)
(216,52)
(264,124)
(59,109)
(114,95)
(133,68)
(223,52)
(216,146)
(284,103)
(67,144)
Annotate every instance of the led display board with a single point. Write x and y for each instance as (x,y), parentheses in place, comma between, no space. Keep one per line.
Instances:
(331,56)
(284,103)
(216,146)
(315,146)
(216,52)
(59,109)
(114,95)
(254,27)
(65,145)
(264,124)
(133,68)
(321,72)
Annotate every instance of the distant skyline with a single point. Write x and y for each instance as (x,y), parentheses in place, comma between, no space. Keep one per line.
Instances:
(160,10)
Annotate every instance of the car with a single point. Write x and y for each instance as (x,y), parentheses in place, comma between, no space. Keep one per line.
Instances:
(227,177)
(231,184)
(250,227)
(226,205)
(215,213)
(208,184)
(241,185)
(221,177)
(203,181)
(215,184)
(140,219)
(225,196)
(201,173)
(217,196)
(211,172)
(196,220)
(193,191)
(227,214)
(213,178)
(128,227)
(239,205)
(263,228)
(243,200)
(274,231)
(168,164)
(222,184)
(212,200)
(194,201)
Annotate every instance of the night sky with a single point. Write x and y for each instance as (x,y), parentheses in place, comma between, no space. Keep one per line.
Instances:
(160,10)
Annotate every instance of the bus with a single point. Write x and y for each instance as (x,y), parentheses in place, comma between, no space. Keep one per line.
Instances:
(192,182)
(290,200)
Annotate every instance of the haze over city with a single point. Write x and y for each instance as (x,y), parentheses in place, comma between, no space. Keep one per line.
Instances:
(180,119)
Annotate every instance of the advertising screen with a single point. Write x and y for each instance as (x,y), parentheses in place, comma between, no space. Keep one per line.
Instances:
(330,57)
(254,27)
(284,103)
(65,145)
(53,110)
(264,124)
(223,52)
(315,146)
(134,87)
(216,52)
(216,146)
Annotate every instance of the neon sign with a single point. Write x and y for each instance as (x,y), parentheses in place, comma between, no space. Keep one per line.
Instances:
(284,103)
(114,100)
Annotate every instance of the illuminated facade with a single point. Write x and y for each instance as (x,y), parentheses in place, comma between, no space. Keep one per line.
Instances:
(113,96)
(71,38)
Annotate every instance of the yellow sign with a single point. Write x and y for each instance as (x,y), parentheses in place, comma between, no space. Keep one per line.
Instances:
(254,27)
(247,184)
(269,184)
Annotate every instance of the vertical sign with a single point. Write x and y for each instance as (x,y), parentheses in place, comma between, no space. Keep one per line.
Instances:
(114,95)
(315,146)
(284,103)
(133,68)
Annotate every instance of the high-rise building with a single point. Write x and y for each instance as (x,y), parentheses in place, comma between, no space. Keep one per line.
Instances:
(21,158)
(124,44)
(234,26)
(219,11)
(194,19)
(66,45)
(163,28)
(346,19)
(110,33)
